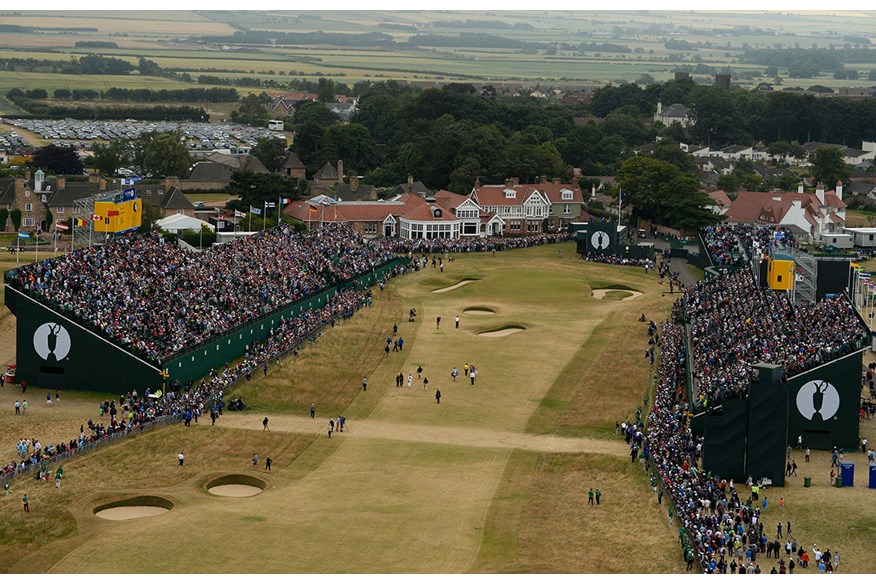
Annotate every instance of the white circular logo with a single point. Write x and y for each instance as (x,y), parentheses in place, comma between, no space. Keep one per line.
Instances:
(51,341)
(818,400)
(600,240)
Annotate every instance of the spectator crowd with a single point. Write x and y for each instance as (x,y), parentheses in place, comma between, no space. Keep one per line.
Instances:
(734,323)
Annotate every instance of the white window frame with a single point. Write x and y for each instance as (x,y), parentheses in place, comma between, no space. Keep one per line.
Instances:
(28,222)
(59,209)
(28,207)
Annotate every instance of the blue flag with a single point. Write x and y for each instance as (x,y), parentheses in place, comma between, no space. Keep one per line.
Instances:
(23,235)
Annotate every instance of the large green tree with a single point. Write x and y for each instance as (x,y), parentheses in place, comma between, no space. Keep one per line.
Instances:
(111,156)
(316,112)
(255,188)
(828,167)
(658,190)
(166,155)
(271,151)
(58,160)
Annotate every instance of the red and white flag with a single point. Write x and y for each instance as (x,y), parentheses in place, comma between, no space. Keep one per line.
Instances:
(239,214)
(61,227)
(285,201)
(96,217)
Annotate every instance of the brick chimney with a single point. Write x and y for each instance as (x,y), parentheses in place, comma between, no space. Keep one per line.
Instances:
(340,171)
(101,183)
(839,189)
(26,174)
(354,182)
(477,184)
(512,182)
(62,183)
(819,192)
(555,180)
(169,182)
(410,180)
(19,186)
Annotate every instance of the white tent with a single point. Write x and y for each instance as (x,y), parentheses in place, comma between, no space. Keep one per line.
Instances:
(178,222)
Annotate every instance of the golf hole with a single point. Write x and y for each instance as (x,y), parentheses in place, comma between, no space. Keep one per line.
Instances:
(236,486)
(503,331)
(479,310)
(455,286)
(615,294)
(133,508)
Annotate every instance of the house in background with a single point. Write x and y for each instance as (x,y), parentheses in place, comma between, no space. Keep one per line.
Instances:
(674,113)
(407,216)
(528,208)
(813,215)
(721,202)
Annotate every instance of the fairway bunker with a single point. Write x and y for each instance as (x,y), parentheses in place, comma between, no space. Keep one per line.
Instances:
(236,486)
(615,294)
(479,311)
(503,331)
(133,508)
(459,284)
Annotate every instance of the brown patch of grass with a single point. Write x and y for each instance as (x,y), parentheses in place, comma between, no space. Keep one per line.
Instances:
(540,521)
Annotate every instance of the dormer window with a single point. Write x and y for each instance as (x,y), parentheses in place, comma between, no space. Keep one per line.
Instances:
(436,213)
(510,194)
(566,194)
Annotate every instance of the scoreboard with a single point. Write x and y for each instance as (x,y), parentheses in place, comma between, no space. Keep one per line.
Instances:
(124,213)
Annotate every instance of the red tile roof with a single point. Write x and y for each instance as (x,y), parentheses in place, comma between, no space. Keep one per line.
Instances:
(721,198)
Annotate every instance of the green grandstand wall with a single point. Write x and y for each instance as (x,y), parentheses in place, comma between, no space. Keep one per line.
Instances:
(824,404)
(75,358)
(215,353)
(55,352)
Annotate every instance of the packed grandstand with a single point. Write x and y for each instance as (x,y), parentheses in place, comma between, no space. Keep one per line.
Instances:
(729,323)
(734,323)
(146,294)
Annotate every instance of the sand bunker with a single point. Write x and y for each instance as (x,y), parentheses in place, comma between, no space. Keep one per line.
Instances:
(454,287)
(479,310)
(502,332)
(601,292)
(236,486)
(134,512)
(234,490)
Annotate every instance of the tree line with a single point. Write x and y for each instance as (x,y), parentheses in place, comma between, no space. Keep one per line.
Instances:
(33,101)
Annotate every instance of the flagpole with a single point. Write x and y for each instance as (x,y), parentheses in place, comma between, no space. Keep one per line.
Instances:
(279,203)
(250,220)
(264,215)
(36,256)
(17,251)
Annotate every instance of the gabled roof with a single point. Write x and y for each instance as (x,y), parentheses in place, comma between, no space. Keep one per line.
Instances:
(494,195)
(554,192)
(7,191)
(759,207)
(220,167)
(292,161)
(417,187)
(327,172)
(721,198)
(71,192)
(346,191)
(344,211)
(676,110)
(855,188)
(175,199)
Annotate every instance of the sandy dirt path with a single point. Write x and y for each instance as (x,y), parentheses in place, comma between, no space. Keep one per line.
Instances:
(474,437)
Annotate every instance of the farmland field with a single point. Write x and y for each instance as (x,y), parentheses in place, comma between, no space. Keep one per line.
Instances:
(717,40)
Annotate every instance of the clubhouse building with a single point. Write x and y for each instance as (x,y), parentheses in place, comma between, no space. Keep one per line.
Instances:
(510,209)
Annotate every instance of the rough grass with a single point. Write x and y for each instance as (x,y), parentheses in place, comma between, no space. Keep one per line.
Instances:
(540,521)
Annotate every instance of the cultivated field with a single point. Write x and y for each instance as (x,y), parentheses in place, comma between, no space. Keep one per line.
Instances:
(494,479)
